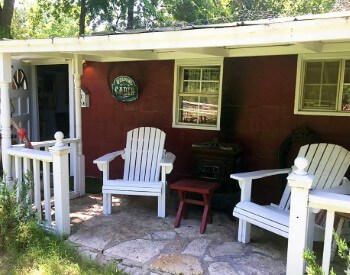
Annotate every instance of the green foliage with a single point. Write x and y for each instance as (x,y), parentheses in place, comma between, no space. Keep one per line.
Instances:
(313,268)
(45,19)
(5,32)
(343,250)
(17,220)
(292,7)
(61,18)
(25,247)
(199,11)
(114,14)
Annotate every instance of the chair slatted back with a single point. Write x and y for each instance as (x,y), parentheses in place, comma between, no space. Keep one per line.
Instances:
(327,162)
(143,152)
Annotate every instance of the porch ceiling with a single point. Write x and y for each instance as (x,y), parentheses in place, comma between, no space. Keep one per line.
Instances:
(309,34)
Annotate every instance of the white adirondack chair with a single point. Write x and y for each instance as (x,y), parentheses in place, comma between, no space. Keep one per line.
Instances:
(145,168)
(328,162)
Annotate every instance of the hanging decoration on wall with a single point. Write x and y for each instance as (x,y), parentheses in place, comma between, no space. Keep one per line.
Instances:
(19,80)
(124,89)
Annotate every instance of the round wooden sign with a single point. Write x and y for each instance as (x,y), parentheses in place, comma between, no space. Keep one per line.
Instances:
(124,89)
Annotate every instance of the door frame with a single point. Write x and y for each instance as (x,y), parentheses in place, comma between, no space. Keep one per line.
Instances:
(35,101)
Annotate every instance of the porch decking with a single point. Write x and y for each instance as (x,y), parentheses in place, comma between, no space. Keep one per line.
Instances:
(142,243)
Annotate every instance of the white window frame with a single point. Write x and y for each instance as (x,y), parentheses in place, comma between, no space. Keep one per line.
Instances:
(302,59)
(177,85)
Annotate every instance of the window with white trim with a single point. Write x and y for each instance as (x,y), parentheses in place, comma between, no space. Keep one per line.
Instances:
(197,94)
(323,86)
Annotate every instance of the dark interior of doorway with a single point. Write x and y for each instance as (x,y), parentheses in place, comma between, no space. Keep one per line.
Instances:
(53,99)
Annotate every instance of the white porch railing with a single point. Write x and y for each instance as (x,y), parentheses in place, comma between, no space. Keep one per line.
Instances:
(73,169)
(304,205)
(52,211)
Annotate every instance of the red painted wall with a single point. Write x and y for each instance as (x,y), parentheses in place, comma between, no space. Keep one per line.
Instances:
(107,120)
(257,112)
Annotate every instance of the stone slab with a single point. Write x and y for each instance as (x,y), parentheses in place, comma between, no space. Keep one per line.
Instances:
(197,247)
(138,250)
(178,264)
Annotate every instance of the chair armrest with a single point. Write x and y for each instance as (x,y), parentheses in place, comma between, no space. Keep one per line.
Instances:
(105,159)
(259,174)
(245,180)
(167,162)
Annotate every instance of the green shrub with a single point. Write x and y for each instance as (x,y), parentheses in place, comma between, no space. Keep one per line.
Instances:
(313,268)
(25,247)
(17,220)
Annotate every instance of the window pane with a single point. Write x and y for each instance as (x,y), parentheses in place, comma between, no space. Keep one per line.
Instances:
(329,97)
(192,74)
(188,116)
(191,87)
(346,98)
(211,74)
(311,96)
(330,72)
(313,72)
(347,72)
(210,87)
(208,110)
(188,102)
(189,106)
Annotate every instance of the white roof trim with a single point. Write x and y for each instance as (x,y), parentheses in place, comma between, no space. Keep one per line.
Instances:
(304,33)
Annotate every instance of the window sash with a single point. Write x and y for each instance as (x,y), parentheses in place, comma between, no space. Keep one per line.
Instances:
(198,96)
(325,86)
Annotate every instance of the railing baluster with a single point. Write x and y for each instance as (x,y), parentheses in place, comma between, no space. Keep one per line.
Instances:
(47,191)
(26,170)
(18,174)
(327,247)
(26,166)
(37,189)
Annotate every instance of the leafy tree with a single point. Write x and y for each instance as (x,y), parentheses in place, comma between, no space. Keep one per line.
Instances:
(46,18)
(293,7)
(6,13)
(51,18)
(197,11)
(124,14)
(257,9)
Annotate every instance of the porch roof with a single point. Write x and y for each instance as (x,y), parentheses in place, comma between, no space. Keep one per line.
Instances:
(324,33)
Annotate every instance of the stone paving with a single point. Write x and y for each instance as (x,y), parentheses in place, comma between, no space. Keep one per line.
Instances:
(141,243)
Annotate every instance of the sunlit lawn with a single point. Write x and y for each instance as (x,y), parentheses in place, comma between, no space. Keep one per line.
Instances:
(50,255)
(26,248)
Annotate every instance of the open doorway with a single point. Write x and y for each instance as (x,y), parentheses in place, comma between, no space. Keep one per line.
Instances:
(53,100)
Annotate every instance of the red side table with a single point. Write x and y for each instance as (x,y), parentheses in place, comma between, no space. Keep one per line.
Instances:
(199,187)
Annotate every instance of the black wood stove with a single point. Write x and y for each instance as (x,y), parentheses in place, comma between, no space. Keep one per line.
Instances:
(215,161)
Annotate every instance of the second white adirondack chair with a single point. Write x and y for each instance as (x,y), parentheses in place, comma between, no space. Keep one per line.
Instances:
(328,162)
(145,168)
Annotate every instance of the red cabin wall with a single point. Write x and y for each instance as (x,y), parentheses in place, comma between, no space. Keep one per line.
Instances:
(257,112)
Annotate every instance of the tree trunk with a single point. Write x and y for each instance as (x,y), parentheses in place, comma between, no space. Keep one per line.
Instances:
(130,23)
(6,13)
(82,17)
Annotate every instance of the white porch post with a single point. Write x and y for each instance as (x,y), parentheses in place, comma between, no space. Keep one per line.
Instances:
(300,183)
(80,162)
(61,184)
(5,81)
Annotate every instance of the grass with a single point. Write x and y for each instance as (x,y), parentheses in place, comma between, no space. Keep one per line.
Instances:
(51,255)
(26,248)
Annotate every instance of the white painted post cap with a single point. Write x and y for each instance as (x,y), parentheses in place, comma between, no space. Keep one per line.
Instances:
(59,139)
(301,163)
